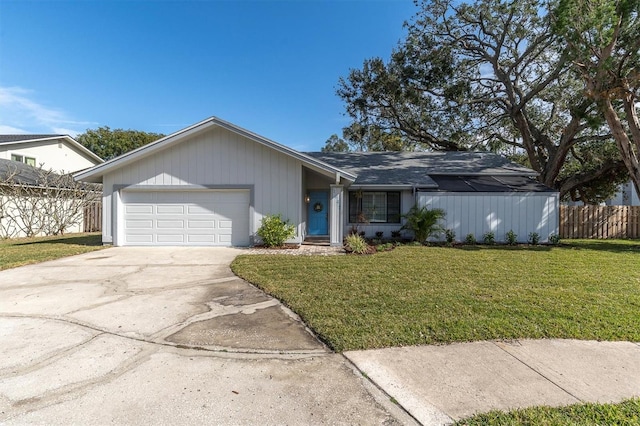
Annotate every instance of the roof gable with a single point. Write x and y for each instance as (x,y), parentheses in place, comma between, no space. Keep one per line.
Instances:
(95,174)
(27,139)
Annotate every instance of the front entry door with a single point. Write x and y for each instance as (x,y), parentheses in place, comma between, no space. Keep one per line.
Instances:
(318,213)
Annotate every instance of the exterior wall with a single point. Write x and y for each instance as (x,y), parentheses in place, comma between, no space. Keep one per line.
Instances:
(13,225)
(56,155)
(216,158)
(407,201)
(478,213)
(626,196)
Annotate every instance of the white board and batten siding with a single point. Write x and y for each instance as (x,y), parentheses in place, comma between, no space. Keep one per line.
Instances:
(212,168)
(478,213)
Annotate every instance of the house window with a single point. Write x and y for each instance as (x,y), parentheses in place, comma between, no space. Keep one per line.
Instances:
(374,207)
(22,159)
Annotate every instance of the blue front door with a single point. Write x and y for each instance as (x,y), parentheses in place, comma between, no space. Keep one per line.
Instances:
(318,216)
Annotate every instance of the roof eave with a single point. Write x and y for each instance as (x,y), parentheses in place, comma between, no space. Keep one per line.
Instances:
(96,172)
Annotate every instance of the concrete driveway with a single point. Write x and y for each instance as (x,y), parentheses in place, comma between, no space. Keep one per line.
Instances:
(166,336)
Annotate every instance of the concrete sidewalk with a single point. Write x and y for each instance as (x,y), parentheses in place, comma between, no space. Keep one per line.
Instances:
(442,384)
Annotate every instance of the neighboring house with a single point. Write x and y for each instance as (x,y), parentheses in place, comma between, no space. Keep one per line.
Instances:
(626,196)
(34,201)
(60,153)
(213,182)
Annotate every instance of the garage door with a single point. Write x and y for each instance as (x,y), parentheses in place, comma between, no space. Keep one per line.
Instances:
(186,218)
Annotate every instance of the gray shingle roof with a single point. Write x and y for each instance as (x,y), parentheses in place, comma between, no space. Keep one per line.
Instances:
(416,168)
(20,138)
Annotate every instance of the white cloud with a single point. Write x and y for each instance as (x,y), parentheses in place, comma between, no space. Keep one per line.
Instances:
(20,113)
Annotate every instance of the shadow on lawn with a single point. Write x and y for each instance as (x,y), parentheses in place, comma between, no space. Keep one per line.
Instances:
(80,240)
(616,246)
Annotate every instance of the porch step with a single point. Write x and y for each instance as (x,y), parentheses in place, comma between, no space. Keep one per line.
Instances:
(313,240)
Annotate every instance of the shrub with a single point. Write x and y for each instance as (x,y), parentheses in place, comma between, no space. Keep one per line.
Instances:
(356,244)
(534,238)
(470,239)
(423,222)
(450,236)
(512,238)
(379,234)
(396,235)
(489,238)
(274,231)
(554,239)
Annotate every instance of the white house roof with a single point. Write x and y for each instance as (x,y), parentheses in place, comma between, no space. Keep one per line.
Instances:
(96,173)
(25,139)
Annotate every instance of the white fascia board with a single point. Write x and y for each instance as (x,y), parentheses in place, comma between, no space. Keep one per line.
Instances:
(95,173)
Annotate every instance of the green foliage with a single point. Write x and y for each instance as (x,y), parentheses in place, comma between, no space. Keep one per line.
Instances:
(554,239)
(414,295)
(356,244)
(489,238)
(335,144)
(603,39)
(624,413)
(274,231)
(534,238)
(512,238)
(25,251)
(107,143)
(470,239)
(460,80)
(423,222)
(450,236)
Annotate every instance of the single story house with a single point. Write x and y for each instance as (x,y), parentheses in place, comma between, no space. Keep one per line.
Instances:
(213,182)
(60,153)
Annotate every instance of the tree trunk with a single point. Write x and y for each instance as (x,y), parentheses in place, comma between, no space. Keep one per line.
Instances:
(624,143)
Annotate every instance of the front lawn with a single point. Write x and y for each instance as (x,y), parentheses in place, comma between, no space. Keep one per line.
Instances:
(426,295)
(624,413)
(23,251)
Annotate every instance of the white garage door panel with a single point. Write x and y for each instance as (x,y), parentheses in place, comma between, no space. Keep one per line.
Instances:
(186,218)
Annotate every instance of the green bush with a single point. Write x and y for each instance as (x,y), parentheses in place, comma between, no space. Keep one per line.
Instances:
(450,236)
(356,244)
(534,238)
(489,238)
(423,222)
(470,239)
(554,239)
(512,238)
(274,231)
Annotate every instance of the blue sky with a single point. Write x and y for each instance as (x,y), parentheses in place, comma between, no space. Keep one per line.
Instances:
(159,66)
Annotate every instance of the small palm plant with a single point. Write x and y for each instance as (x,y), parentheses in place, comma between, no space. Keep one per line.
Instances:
(424,222)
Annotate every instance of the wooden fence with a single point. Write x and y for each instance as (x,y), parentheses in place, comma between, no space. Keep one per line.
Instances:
(600,222)
(93,218)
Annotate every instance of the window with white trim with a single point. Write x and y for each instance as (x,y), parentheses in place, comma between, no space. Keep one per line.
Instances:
(374,207)
(24,159)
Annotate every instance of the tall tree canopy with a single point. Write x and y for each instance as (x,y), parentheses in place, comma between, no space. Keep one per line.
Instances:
(489,75)
(604,40)
(107,143)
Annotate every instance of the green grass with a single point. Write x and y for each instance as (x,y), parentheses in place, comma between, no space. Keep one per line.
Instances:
(24,251)
(624,413)
(427,295)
